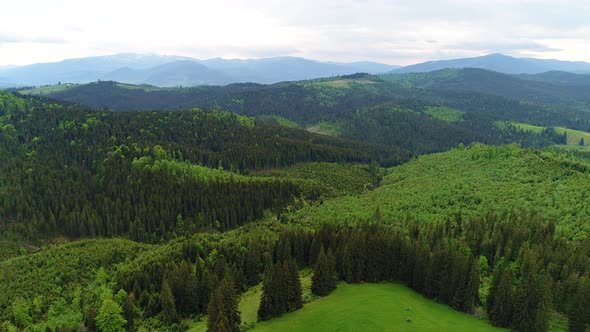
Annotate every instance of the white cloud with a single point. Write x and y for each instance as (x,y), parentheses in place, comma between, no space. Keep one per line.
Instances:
(397,32)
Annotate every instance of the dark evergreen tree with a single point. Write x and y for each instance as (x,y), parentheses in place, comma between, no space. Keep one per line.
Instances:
(223,308)
(129,311)
(501,308)
(324,279)
(530,303)
(184,289)
(283,250)
(467,294)
(579,314)
(270,301)
(293,285)
(314,250)
(205,283)
(252,264)
(281,290)
(169,314)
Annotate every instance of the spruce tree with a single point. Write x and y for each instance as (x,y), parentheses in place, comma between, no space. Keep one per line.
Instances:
(293,285)
(500,311)
(530,303)
(281,290)
(129,310)
(183,286)
(470,292)
(283,250)
(169,314)
(314,250)
(324,279)
(205,283)
(579,314)
(223,308)
(269,301)
(347,263)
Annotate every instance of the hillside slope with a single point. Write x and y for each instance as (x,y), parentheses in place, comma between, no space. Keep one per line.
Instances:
(561,89)
(357,107)
(472,182)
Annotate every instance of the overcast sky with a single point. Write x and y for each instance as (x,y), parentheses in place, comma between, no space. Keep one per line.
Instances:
(394,32)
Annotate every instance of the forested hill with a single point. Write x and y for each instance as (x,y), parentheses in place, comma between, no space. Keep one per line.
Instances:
(68,170)
(555,88)
(474,182)
(357,107)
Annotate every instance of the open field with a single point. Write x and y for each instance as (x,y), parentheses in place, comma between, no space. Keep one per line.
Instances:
(343,83)
(45,90)
(375,307)
(250,301)
(573,136)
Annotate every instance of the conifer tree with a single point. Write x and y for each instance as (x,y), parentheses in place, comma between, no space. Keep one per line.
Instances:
(579,315)
(205,283)
(184,290)
(314,250)
(469,292)
(530,303)
(283,250)
(346,272)
(269,302)
(324,279)
(281,290)
(293,285)
(500,310)
(129,310)
(169,314)
(223,308)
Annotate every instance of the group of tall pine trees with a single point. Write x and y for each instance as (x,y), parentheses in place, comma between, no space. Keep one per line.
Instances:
(528,282)
(281,290)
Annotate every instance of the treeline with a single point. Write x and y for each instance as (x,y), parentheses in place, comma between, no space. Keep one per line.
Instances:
(510,264)
(366,254)
(71,171)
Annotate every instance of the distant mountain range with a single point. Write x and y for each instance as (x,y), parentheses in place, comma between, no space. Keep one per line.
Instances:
(501,63)
(169,71)
(176,71)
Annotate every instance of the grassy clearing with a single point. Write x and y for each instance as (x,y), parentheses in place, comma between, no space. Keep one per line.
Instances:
(573,136)
(343,83)
(45,90)
(375,307)
(444,113)
(325,128)
(144,87)
(250,301)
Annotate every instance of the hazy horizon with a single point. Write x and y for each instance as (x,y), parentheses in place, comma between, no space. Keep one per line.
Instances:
(259,58)
(391,32)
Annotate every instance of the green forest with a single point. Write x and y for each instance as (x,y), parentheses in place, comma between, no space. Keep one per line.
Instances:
(428,200)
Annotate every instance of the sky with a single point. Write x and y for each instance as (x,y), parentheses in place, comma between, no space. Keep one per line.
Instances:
(393,32)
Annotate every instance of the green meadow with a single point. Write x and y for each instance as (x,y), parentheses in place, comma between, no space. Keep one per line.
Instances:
(375,307)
